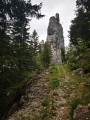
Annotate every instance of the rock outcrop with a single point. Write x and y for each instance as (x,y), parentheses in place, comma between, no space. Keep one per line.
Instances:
(55,38)
(82,112)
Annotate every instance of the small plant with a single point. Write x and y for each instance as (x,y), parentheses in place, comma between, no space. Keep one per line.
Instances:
(21,114)
(36,118)
(51,113)
(44,114)
(26,118)
(74,104)
(52,107)
(55,94)
(45,103)
(33,108)
(55,84)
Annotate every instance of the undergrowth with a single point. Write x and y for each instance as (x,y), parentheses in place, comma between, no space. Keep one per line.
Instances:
(81,90)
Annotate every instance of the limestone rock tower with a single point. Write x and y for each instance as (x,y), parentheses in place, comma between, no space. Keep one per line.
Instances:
(55,38)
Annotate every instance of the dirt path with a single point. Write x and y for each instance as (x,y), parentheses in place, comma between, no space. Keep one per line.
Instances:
(41,102)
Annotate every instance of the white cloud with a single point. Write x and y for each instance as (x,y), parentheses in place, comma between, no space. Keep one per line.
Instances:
(50,7)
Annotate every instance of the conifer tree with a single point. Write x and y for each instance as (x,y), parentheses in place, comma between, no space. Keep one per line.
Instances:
(35,41)
(15,54)
(46,54)
(80,27)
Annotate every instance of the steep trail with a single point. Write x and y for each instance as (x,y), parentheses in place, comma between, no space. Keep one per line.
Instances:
(66,92)
(32,100)
(49,98)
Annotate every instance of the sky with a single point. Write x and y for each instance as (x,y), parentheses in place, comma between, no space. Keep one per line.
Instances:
(66,10)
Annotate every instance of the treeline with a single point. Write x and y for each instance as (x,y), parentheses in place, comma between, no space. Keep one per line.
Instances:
(78,53)
(21,54)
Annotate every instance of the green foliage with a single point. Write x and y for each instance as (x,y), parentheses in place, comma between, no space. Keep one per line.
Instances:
(38,63)
(19,55)
(55,94)
(81,47)
(15,54)
(80,25)
(51,113)
(73,66)
(63,54)
(46,54)
(54,76)
(53,68)
(36,118)
(85,100)
(74,104)
(55,83)
(47,111)
(44,113)
(45,103)
(35,42)
(78,56)
(81,90)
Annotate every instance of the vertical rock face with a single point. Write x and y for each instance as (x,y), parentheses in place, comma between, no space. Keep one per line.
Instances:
(55,38)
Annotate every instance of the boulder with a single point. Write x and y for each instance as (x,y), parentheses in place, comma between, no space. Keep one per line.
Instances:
(79,72)
(82,112)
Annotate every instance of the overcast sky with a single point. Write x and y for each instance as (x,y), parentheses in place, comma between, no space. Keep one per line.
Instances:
(66,10)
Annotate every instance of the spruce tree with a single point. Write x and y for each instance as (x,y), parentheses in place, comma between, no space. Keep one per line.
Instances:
(15,54)
(46,54)
(80,27)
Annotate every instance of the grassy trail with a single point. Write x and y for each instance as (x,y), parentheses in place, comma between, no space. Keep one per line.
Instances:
(54,96)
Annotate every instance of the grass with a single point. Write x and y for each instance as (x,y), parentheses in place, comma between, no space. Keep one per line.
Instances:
(54,77)
(51,113)
(26,118)
(77,101)
(61,72)
(36,118)
(78,81)
(55,94)
(44,113)
(47,113)
(74,104)
(48,109)
(45,103)
(55,83)
(81,90)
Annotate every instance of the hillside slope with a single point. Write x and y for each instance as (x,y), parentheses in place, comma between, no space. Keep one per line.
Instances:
(54,96)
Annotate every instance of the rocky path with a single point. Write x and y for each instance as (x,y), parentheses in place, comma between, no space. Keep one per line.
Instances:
(43,102)
(32,99)
(65,94)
